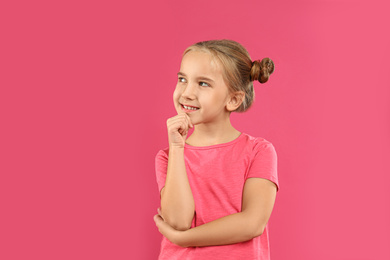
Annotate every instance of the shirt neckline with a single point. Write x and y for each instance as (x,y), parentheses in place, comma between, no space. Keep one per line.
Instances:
(214,145)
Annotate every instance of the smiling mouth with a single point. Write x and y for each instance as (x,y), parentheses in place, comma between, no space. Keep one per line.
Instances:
(187,108)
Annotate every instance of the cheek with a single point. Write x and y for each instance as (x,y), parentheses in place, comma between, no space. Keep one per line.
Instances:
(176,93)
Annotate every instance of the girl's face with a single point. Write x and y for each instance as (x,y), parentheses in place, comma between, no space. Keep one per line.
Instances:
(200,84)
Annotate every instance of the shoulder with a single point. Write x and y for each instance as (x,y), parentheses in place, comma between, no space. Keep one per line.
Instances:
(162,154)
(257,144)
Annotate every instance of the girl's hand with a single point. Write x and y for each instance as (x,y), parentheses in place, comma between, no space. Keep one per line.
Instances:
(178,127)
(166,230)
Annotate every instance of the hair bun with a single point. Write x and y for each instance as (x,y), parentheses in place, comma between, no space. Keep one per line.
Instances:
(261,70)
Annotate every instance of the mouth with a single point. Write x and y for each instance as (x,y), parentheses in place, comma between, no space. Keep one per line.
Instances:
(188,108)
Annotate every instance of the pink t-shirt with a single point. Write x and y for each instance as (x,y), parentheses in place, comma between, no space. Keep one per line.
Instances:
(217,175)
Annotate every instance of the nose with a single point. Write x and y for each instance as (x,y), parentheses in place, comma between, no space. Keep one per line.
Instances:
(189,91)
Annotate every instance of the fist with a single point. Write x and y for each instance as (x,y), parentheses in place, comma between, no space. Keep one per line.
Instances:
(178,127)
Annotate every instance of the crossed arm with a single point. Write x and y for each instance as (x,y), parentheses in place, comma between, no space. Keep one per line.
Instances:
(257,203)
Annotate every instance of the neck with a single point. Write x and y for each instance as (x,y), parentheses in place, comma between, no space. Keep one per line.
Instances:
(213,133)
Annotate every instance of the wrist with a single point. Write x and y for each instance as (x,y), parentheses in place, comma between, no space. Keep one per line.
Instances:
(176,148)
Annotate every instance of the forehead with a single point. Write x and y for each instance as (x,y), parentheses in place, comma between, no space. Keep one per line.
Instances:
(199,63)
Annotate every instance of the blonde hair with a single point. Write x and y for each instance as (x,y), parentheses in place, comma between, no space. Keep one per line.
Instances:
(239,71)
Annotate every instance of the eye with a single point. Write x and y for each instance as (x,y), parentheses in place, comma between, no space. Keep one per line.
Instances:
(204,83)
(180,78)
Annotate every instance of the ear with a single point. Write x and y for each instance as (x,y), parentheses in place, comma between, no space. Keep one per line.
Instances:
(235,100)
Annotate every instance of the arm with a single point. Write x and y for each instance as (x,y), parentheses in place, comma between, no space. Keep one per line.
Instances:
(177,202)
(258,200)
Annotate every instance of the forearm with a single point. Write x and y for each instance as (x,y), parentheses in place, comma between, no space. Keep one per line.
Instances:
(177,203)
(229,229)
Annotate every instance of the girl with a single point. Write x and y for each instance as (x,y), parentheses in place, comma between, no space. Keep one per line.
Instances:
(218,187)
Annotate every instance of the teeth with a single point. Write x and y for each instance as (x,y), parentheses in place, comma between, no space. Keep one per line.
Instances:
(191,108)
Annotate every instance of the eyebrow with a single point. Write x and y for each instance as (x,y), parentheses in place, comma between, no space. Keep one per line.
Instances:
(202,77)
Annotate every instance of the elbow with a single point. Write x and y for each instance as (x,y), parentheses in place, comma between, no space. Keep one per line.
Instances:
(256,226)
(179,225)
(177,222)
(258,230)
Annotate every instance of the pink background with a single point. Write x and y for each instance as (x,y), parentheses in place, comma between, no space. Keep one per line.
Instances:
(86,89)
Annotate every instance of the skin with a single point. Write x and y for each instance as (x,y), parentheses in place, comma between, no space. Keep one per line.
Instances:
(212,120)
(212,126)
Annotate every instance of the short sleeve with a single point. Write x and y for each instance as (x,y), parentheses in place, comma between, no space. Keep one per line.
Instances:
(264,163)
(161,164)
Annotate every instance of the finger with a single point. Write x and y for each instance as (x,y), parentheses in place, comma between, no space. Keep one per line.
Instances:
(181,111)
(178,120)
(175,119)
(179,126)
(183,130)
(183,126)
(189,121)
(182,117)
(157,218)
(159,212)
